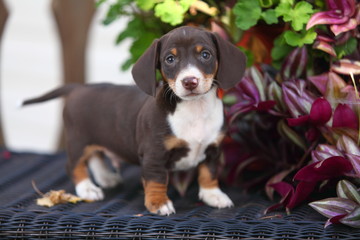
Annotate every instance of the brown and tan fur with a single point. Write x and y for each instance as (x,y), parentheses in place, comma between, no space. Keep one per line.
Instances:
(131,123)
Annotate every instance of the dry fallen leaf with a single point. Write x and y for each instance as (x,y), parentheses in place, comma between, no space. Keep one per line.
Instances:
(55,197)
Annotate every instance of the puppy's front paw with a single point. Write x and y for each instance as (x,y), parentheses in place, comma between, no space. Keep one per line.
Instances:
(215,198)
(164,209)
(88,191)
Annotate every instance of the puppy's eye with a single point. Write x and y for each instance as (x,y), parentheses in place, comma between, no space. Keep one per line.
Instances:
(205,54)
(170,59)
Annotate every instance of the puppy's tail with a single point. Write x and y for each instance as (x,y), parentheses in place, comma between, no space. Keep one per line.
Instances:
(51,95)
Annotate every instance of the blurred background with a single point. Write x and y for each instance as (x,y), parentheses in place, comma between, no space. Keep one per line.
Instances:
(31,64)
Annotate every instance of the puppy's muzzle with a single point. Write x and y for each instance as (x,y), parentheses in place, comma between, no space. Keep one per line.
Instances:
(190,83)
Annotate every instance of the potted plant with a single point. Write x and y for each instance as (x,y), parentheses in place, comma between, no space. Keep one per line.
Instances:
(294,117)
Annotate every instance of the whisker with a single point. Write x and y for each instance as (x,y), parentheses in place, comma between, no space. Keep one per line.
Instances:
(214,82)
(171,94)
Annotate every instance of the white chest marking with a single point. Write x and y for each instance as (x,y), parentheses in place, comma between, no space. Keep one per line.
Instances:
(199,123)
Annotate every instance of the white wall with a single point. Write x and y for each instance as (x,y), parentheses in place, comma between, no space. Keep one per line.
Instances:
(31,65)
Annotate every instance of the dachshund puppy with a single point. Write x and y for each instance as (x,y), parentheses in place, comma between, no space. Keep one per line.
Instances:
(176,126)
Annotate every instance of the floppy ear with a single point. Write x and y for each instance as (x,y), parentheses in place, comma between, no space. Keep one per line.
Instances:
(144,70)
(231,63)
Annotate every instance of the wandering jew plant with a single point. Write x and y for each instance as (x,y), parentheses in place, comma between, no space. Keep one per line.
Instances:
(294,117)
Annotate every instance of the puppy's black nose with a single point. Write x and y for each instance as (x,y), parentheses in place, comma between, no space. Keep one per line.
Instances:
(190,83)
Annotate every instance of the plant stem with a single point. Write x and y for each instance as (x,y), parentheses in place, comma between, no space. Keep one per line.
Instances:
(306,154)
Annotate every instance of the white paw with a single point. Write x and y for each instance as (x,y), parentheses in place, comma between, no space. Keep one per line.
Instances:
(110,180)
(88,191)
(215,198)
(166,209)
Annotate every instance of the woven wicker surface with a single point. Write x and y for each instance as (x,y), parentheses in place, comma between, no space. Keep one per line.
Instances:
(122,214)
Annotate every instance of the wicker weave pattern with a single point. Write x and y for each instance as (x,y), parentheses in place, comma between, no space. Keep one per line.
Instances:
(122,214)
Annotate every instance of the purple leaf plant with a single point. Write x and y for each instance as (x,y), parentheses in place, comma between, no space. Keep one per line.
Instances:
(297,131)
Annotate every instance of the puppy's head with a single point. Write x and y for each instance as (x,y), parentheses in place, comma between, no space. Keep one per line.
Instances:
(191,61)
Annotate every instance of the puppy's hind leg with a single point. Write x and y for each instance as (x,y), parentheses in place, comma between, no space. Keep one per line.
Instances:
(104,176)
(84,187)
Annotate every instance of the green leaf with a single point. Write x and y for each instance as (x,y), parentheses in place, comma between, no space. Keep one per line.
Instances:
(301,15)
(127,64)
(249,56)
(112,14)
(247,13)
(266,3)
(280,50)
(229,99)
(116,10)
(269,16)
(291,2)
(171,11)
(346,48)
(138,47)
(142,31)
(346,189)
(145,4)
(99,2)
(298,15)
(134,29)
(299,39)
(141,44)
(185,4)
(283,8)
(320,4)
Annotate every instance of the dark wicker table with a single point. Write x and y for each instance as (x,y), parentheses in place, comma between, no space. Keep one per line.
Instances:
(122,214)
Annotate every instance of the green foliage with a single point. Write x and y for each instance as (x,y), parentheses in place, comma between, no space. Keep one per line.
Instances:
(143,34)
(152,18)
(289,94)
(116,9)
(171,11)
(99,2)
(297,15)
(346,48)
(299,39)
(247,12)
(249,57)
(266,3)
(269,16)
(145,4)
(280,50)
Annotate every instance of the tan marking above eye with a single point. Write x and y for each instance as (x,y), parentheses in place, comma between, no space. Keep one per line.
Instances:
(174,51)
(199,48)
